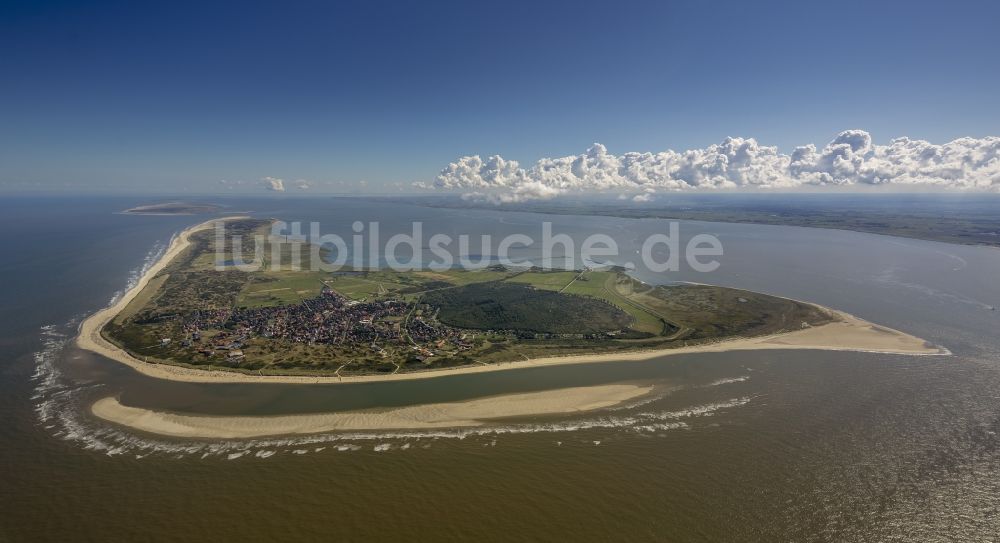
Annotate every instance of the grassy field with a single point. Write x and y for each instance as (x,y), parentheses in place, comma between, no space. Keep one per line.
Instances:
(280,288)
(377,284)
(463,277)
(358,288)
(545,280)
(616,288)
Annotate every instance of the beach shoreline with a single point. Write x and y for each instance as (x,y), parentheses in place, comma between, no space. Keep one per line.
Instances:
(849,333)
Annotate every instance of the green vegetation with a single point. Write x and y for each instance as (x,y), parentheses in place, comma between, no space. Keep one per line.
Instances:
(368,285)
(464,277)
(546,280)
(498,305)
(356,322)
(280,288)
(616,288)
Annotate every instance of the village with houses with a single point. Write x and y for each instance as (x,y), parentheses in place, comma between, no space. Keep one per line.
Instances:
(378,326)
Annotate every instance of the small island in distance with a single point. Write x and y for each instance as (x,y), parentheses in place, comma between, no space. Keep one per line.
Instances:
(188,320)
(173,208)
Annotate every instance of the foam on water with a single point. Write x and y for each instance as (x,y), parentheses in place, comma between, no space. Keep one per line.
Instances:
(728,380)
(151,258)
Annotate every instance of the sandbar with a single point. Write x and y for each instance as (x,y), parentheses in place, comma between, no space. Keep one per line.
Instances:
(428,416)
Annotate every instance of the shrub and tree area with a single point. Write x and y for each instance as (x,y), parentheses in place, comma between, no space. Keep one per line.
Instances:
(500,305)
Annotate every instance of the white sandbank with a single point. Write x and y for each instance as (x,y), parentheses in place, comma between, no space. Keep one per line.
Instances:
(437,415)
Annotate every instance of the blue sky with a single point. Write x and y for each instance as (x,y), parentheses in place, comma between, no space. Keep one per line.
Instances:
(177,96)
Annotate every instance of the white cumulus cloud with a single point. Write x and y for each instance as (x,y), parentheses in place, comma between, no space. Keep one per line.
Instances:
(274,183)
(736,163)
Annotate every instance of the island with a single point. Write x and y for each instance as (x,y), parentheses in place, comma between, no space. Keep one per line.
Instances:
(173,208)
(186,319)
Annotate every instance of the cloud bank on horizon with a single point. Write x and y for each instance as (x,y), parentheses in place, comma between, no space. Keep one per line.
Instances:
(851,159)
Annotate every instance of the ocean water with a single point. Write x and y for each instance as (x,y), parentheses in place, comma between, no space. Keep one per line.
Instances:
(755,446)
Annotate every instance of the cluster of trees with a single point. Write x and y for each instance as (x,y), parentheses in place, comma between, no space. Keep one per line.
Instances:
(522,308)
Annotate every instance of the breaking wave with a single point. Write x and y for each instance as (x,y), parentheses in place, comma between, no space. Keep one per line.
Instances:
(728,380)
(151,258)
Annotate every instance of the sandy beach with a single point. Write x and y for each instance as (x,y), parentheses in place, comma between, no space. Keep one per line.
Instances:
(438,415)
(849,334)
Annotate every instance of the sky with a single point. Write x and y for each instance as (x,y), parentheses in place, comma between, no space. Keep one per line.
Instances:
(178,97)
